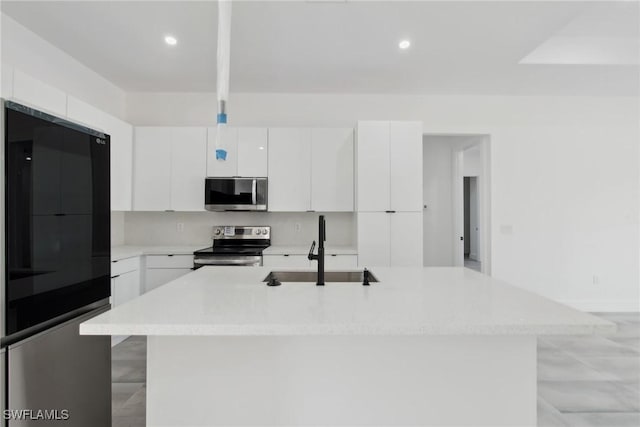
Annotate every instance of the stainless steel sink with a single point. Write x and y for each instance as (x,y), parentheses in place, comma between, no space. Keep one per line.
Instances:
(311,276)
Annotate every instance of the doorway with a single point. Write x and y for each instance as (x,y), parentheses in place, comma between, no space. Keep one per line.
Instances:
(471,208)
(447,160)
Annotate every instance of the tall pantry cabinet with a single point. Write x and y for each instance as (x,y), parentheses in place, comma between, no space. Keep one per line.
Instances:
(389,193)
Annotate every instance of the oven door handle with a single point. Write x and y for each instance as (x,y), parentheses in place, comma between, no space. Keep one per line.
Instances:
(254,192)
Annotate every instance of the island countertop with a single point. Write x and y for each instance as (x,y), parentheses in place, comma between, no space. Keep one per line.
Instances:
(228,301)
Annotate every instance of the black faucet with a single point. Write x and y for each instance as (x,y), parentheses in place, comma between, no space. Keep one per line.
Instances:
(322,236)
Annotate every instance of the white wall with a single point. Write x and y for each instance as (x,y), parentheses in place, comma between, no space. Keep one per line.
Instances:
(564,183)
(160,228)
(29,53)
(472,161)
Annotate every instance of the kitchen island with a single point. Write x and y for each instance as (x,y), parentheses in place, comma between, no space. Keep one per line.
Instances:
(423,346)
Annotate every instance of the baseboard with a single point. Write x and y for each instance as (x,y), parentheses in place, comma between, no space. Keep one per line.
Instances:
(613,306)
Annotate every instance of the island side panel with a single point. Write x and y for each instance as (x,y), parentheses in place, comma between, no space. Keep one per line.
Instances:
(342,380)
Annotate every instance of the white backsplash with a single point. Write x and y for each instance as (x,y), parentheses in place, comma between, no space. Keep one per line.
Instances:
(287,228)
(117,228)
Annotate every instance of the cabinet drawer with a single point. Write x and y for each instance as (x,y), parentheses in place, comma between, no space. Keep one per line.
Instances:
(169,261)
(340,261)
(125,265)
(286,261)
(156,277)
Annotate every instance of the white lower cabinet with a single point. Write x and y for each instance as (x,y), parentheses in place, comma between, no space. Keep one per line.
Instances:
(340,262)
(390,239)
(331,261)
(163,268)
(125,285)
(286,261)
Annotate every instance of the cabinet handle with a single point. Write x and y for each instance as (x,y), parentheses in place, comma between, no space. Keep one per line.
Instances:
(114,261)
(390,211)
(170,254)
(334,254)
(115,277)
(169,210)
(285,255)
(310,210)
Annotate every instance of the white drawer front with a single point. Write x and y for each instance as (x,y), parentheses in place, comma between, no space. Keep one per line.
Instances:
(285,261)
(340,261)
(169,261)
(159,276)
(125,265)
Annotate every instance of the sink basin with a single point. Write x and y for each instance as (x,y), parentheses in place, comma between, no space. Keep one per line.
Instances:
(311,276)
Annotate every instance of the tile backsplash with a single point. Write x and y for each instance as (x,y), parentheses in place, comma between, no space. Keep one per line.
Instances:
(194,228)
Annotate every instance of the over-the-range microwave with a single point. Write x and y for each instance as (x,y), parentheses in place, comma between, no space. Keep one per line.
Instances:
(235,194)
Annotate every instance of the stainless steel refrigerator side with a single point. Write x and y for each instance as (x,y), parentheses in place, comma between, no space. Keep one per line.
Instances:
(72,373)
(3,353)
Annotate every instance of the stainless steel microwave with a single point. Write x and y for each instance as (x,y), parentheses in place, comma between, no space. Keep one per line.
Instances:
(235,194)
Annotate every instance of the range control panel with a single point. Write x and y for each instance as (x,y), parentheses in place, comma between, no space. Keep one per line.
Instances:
(241,232)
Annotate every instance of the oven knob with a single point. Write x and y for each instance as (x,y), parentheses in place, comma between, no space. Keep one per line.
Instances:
(258,232)
(218,231)
(265,232)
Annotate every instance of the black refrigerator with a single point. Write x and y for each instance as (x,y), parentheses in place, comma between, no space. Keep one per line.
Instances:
(56,271)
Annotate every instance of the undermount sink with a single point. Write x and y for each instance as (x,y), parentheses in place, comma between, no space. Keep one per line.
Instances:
(311,276)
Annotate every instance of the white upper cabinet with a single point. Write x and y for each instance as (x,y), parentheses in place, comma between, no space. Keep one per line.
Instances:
(247,150)
(332,170)
(188,164)
(121,144)
(405,166)
(289,169)
(373,184)
(253,148)
(39,95)
(389,162)
(152,169)
(169,168)
(222,168)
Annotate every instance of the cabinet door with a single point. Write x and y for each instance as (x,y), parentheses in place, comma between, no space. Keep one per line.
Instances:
(340,261)
(253,152)
(286,261)
(155,277)
(126,287)
(289,163)
(405,165)
(152,169)
(373,239)
(332,170)
(406,239)
(188,168)
(372,151)
(222,168)
(121,164)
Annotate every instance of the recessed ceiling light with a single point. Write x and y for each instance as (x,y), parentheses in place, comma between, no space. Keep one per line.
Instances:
(404,44)
(170,40)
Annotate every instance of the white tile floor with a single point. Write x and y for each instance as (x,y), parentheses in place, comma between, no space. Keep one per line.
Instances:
(582,382)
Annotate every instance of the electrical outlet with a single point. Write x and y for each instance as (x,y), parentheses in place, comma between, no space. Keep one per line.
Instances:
(180,227)
(297,227)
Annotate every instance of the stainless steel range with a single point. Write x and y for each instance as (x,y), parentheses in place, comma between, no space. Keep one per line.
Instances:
(235,245)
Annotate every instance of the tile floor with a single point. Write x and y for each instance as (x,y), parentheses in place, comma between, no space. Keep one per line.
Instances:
(472,264)
(582,382)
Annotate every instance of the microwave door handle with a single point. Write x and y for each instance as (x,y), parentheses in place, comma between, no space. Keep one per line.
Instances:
(253,192)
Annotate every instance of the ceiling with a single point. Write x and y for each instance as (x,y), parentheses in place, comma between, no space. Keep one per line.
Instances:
(502,47)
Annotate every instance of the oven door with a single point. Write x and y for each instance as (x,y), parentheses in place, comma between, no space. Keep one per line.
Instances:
(228,260)
(235,194)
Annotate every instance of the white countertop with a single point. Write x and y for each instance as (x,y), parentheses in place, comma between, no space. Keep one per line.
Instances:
(304,250)
(407,301)
(126,251)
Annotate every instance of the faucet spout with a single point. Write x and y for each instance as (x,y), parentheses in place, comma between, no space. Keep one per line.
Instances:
(320,256)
